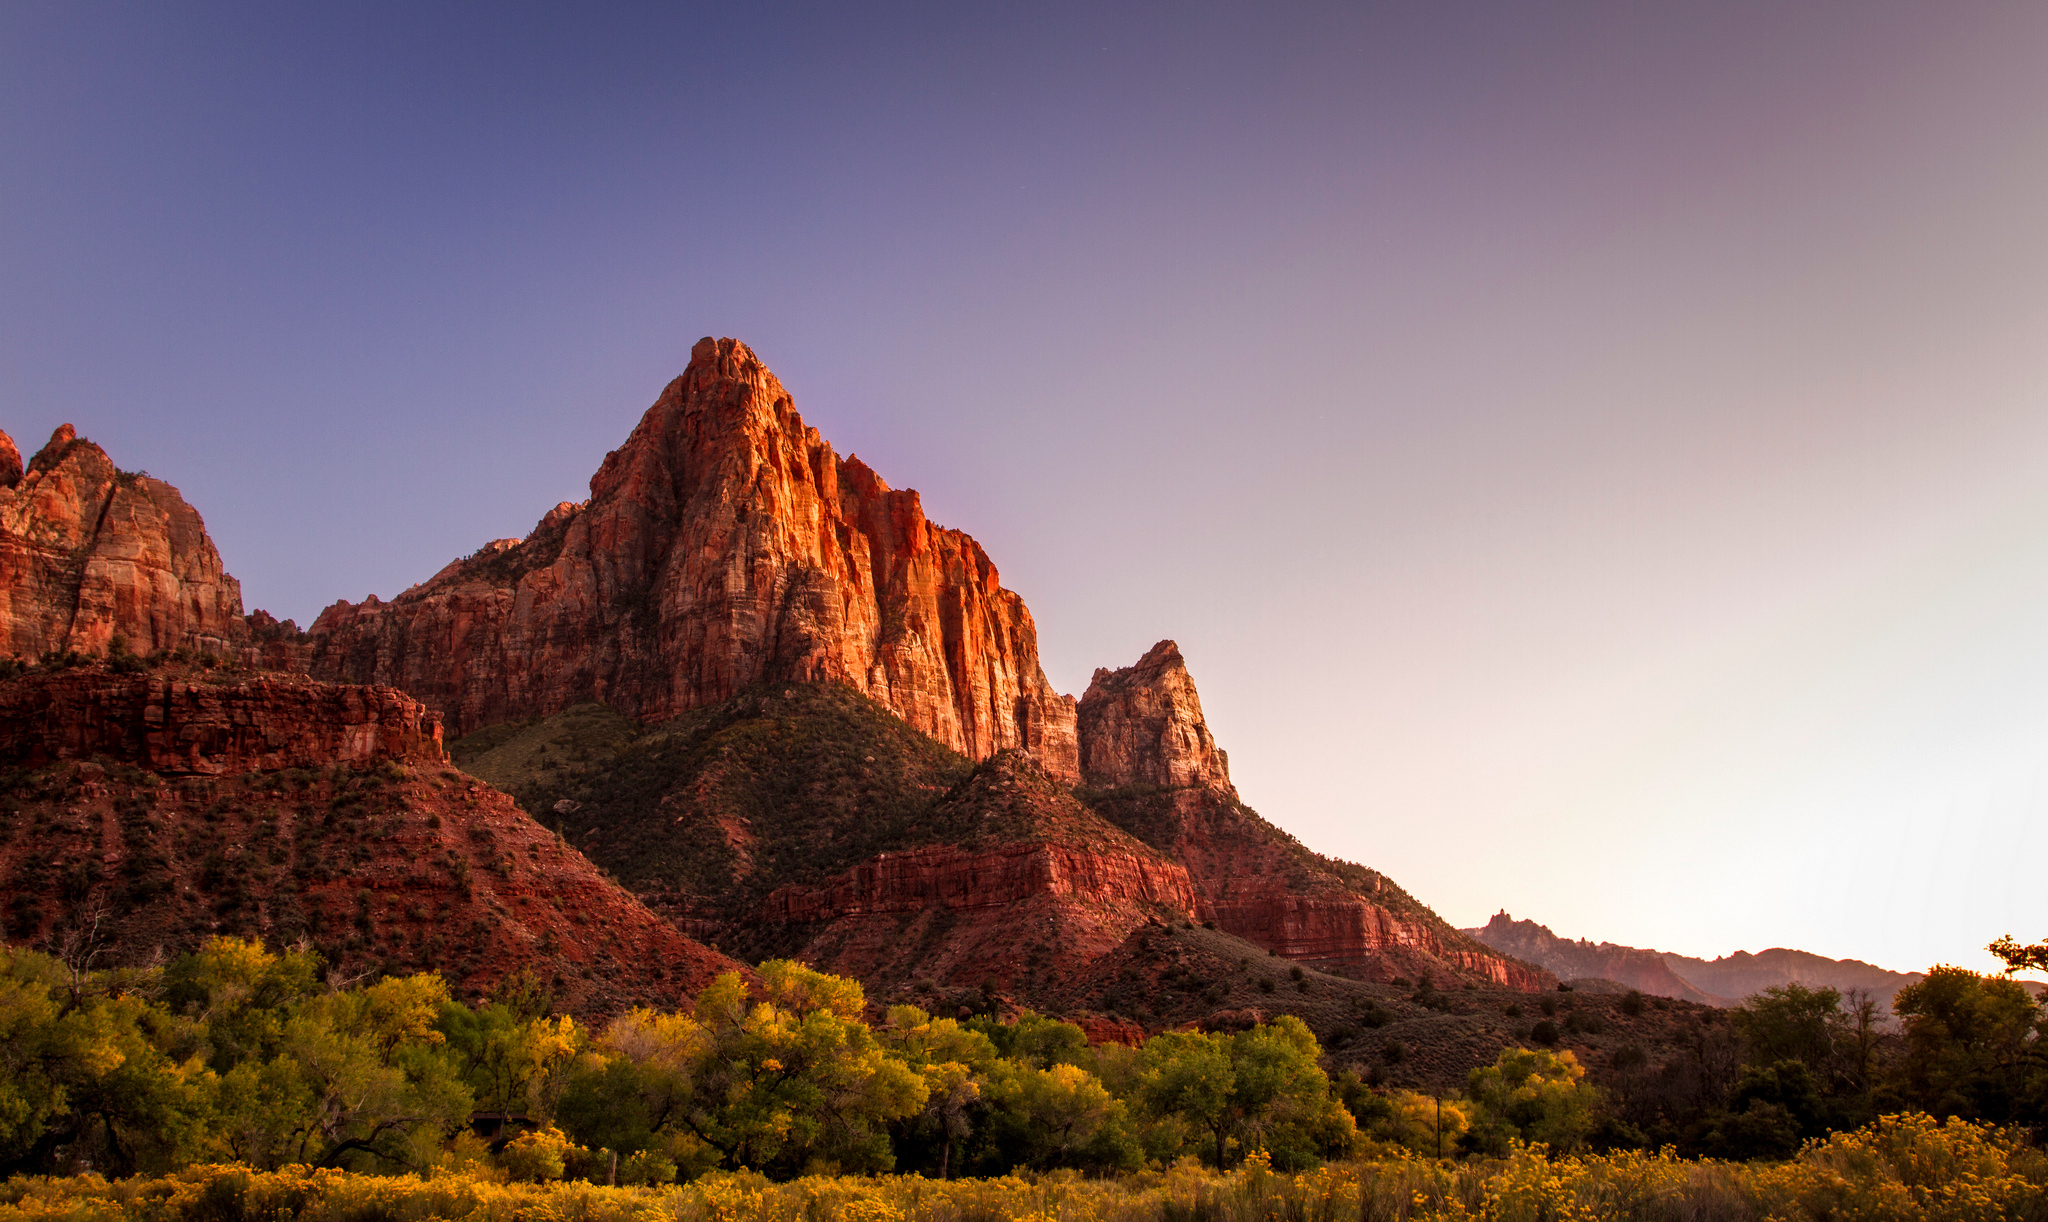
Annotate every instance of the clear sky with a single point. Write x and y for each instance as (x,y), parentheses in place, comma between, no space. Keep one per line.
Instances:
(1591,455)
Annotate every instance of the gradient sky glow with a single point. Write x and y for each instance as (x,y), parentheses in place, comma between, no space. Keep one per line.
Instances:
(1591,455)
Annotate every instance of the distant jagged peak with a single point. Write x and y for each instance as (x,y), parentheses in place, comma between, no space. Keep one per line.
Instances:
(1143,725)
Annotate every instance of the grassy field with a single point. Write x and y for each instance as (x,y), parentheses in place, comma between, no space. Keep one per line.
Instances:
(1906,1167)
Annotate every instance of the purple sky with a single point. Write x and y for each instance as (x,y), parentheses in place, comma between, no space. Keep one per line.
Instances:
(1590,455)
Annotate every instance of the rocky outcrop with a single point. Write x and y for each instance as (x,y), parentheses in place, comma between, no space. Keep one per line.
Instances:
(90,554)
(1143,725)
(1155,770)
(724,544)
(199,725)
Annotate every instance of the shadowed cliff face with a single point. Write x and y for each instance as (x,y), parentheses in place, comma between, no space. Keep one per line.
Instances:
(724,544)
(208,726)
(89,553)
(1155,770)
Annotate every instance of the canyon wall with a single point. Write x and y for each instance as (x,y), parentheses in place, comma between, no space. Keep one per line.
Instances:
(723,545)
(200,725)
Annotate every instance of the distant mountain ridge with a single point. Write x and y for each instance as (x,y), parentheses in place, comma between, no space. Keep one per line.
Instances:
(1721,982)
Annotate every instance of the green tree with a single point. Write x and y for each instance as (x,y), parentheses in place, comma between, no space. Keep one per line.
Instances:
(1536,1096)
(1261,1087)
(955,1062)
(796,1080)
(1061,1116)
(1426,1126)
(96,1071)
(2020,958)
(1971,1046)
(360,1079)
(513,1064)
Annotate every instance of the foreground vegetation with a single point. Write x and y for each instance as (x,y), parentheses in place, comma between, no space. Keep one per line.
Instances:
(1899,1168)
(235,1084)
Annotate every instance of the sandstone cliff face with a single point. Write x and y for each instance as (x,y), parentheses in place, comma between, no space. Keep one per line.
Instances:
(1143,725)
(370,845)
(204,726)
(89,553)
(1036,916)
(724,544)
(1157,772)
(942,876)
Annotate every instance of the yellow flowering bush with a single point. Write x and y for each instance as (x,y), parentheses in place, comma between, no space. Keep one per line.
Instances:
(1909,1168)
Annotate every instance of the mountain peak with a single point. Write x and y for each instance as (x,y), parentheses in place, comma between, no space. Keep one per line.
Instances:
(1143,725)
(724,544)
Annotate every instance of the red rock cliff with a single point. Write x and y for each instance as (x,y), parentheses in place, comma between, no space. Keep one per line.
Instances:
(209,727)
(723,544)
(89,553)
(944,876)
(1148,752)
(1143,725)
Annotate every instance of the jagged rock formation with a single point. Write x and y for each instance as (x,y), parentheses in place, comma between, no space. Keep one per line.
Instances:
(211,725)
(1143,725)
(1720,982)
(1643,970)
(359,837)
(1154,768)
(724,544)
(90,553)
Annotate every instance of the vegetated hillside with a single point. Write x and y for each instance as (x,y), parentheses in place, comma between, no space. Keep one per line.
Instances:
(711,811)
(810,820)
(360,839)
(1720,982)
(807,820)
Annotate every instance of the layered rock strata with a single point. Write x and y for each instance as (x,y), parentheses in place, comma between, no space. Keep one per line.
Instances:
(724,544)
(1153,767)
(943,876)
(90,554)
(200,725)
